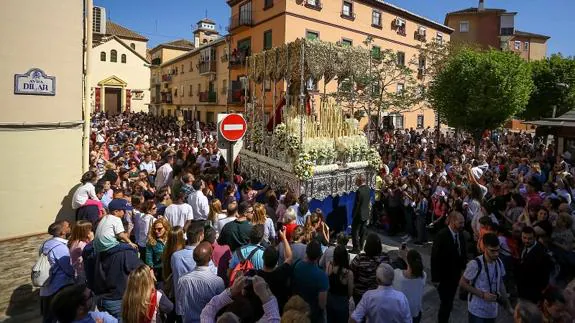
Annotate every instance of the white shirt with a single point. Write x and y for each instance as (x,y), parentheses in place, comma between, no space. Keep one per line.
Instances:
(82,194)
(142,226)
(383,305)
(108,228)
(412,288)
(149,167)
(178,214)
(478,306)
(164,176)
(200,205)
(224,221)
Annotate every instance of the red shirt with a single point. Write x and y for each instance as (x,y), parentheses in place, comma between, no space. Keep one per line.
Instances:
(218,252)
(289,230)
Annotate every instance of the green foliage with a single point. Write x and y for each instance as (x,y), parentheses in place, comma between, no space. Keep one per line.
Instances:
(477,90)
(554,79)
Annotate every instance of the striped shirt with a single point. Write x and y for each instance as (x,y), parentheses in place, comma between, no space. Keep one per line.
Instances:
(194,291)
(363,268)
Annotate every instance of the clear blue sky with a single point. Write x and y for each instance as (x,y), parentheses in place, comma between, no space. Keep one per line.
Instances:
(167,20)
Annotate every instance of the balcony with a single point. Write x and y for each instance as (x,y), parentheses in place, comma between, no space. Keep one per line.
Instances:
(238,57)
(166,78)
(157,61)
(236,93)
(242,19)
(314,4)
(209,97)
(207,67)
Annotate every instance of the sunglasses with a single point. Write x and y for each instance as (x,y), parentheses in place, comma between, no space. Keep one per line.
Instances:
(159,229)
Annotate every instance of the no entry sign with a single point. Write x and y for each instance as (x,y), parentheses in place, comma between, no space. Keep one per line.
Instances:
(233,127)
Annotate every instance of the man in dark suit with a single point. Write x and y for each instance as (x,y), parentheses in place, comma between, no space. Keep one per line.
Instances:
(360,213)
(533,271)
(448,260)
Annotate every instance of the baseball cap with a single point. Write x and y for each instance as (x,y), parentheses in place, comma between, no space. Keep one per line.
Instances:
(119,204)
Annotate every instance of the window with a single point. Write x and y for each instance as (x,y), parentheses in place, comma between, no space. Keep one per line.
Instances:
(401,58)
(133,46)
(376,18)
(526,47)
(376,52)
(268,4)
(267,40)
(123,58)
(509,31)
(400,87)
(311,35)
(347,9)
(420,121)
(400,25)
(182,69)
(191,66)
(314,4)
(176,71)
(190,90)
(346,42)
(175,92)
(199,88)
(517,45)
(224,86)
(439,38)
(103,56)
(422,63)
(464,26)
(182,91)
(397,120)
(113,56)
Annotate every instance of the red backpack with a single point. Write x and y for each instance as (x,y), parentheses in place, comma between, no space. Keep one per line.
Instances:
(244,265)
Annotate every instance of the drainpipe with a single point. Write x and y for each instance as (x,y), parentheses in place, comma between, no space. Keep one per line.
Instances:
(88,6)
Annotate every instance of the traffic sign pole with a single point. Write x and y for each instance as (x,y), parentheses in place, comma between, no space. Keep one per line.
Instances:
(231,129)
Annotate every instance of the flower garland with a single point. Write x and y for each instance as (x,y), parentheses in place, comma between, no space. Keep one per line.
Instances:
(303,167)
(281,62)
(270,58)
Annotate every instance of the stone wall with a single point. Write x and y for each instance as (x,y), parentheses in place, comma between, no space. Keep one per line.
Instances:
(17,296)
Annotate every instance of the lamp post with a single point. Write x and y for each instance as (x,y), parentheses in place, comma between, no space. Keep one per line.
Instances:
(180,122)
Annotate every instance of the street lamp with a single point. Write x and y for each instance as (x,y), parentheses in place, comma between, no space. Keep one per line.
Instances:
(180,122)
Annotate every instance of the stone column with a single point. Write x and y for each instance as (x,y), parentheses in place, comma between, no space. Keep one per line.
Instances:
(123,100)
(103,98)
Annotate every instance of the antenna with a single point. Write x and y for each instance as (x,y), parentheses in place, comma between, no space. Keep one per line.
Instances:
(206,13)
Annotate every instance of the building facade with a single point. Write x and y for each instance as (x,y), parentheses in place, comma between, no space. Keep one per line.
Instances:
(193,81)
(120,70)
(40,135)
(495,28)
(256,25)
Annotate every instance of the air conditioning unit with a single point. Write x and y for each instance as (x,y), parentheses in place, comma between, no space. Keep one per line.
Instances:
(99,20)
(399,22)
(421,31)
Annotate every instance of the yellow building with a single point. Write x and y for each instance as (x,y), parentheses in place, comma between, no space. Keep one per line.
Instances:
(120,70)
(40,131)
(191,80)
(495,28)
(262,24)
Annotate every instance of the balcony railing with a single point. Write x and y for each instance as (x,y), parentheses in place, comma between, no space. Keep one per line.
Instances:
(241,19)
(156,61)
(166,78)
(238,57)
(236,94)
(207,67)
(209,97)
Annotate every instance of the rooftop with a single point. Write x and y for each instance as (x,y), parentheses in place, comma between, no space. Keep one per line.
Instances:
(531,35)
(475,10)
(207,20)
(180,44)
(114,29)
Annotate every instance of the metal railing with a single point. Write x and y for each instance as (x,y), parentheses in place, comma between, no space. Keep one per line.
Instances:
(241,19)
(209,97)
(207,67)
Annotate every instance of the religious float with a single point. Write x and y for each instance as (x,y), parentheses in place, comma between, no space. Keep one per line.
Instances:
(317,152)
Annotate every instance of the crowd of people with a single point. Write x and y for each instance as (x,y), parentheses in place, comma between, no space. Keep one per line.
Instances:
(163,233)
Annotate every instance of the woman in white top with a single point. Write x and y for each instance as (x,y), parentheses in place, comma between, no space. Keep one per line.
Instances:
(143,221)
(260,217)
(216,213)
(411,282)
(86,194)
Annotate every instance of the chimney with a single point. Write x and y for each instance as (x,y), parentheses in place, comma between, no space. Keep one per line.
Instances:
(481,6)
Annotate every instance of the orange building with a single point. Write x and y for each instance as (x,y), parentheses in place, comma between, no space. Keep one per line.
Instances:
(495,28)
(256,25)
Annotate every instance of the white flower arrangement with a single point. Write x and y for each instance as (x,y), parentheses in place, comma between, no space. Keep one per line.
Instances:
(374,159)
(257,135)
(293,145)
(279,137)
(303,167)
(351,147)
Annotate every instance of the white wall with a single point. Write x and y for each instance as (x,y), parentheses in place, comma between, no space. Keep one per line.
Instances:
(135,72)
(39,166)
(141,46)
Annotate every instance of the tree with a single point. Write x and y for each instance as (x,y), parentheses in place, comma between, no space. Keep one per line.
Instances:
(554,80)
(478,90)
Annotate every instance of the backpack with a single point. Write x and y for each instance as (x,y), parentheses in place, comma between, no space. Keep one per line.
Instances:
(463,294)
(41,270)
(244,265)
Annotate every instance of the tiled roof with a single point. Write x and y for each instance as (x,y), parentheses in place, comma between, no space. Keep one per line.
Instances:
(182,43)
(474,10)
(113,28)
(532,35)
